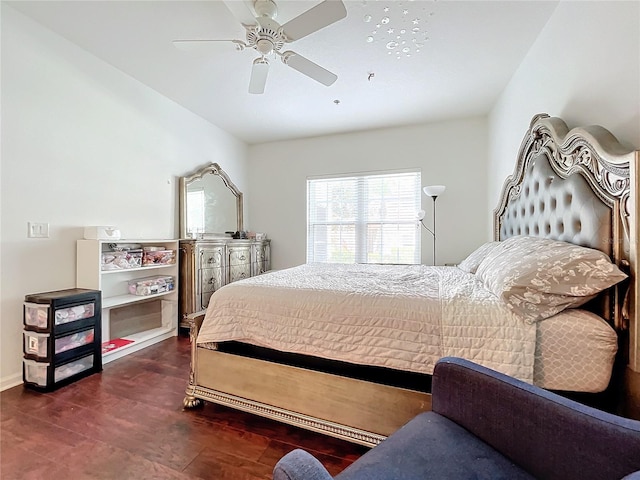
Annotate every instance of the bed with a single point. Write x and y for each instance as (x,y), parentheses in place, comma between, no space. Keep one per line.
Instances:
(348,350)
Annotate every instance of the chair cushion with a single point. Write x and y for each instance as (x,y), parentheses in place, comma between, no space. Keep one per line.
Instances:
(431,446)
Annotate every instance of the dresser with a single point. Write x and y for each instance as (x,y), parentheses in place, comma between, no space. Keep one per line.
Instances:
(207,265)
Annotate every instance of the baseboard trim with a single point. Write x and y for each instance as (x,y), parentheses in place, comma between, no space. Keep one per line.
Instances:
(10,381)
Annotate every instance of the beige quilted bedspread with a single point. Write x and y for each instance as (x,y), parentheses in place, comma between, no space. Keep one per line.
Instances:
(403,317)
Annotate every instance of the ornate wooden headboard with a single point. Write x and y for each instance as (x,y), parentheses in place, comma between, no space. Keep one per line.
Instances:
(579,186)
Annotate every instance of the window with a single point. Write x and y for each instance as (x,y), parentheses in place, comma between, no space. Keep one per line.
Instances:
(368,218)
(195,213)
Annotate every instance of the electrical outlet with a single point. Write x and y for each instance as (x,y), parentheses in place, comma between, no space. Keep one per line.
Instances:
(37,230)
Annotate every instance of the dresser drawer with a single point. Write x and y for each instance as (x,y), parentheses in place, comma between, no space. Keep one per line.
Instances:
(239,256)
(238,272)
(211,257)
(259,255)
(211,279)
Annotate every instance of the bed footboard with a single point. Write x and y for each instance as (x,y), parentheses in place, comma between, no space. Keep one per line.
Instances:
(351,409)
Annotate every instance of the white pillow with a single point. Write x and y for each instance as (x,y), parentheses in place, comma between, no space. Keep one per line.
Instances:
(472,262)
(539,277)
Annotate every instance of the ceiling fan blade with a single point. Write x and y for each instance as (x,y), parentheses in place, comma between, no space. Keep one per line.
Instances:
(314,19)
(259,73)
(199,45)
(241,11)
(308,68)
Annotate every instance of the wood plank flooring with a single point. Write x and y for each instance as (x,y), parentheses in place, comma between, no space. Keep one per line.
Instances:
(128,423)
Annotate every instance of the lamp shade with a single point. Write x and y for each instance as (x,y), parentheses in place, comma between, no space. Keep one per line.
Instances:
(434,190)
(420,214)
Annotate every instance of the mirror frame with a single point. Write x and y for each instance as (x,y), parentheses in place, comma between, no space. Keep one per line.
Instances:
(213,169)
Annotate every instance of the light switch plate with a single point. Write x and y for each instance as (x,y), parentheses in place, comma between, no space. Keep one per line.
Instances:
(37,230)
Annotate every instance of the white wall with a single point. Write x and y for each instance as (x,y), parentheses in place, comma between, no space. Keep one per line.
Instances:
(584,68)
(450,153)
(84,144)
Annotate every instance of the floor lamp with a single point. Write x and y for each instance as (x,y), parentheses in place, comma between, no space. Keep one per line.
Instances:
(433,191)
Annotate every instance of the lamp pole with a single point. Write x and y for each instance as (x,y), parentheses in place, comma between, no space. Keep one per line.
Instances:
(434,191)
(434,229)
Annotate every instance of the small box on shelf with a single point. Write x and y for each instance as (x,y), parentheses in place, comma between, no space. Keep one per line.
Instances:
(158,257)
(121,259)
(151,285)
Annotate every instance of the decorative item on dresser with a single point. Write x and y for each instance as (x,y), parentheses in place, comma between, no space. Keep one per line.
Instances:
(214,249)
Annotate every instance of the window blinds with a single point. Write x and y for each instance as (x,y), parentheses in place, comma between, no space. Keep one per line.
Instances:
(367,218)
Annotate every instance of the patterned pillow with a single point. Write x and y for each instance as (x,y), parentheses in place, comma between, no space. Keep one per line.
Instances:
(472,262)
(539,277)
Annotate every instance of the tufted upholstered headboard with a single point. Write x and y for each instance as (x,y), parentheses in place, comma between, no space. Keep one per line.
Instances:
(553,207)
(579,186)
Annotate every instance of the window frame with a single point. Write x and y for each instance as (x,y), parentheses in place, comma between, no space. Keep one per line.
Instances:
(361,222)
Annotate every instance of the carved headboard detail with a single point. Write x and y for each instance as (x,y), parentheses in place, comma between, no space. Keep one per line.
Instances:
(579,186)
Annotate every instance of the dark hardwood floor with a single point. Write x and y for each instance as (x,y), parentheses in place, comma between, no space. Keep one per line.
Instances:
(128,423)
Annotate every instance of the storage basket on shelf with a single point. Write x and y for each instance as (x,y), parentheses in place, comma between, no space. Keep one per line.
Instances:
(158,256)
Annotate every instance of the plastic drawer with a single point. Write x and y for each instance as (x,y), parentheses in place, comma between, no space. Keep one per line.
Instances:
(75,340)
(71,314)
(36,345)
(37,373)
(37,315)
(72,368)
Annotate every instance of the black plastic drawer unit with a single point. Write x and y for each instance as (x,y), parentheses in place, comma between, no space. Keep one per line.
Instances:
(61,337)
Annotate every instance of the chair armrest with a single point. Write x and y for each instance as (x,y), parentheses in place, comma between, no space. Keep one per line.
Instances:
(300,465)
(544,433)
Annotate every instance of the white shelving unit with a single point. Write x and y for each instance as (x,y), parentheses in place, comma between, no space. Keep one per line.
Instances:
(159,318)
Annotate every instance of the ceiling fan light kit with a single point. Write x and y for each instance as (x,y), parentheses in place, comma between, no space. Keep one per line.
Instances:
(266,8)
(267,37)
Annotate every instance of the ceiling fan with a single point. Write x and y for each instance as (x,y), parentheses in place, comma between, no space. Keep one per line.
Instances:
(267,37)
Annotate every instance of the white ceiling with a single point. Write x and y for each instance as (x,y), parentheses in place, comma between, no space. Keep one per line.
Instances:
(473,49)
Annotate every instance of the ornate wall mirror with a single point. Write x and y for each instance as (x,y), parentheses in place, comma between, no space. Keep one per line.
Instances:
(210,204)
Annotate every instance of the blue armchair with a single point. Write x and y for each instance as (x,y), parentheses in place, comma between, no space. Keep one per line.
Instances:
(486,425)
